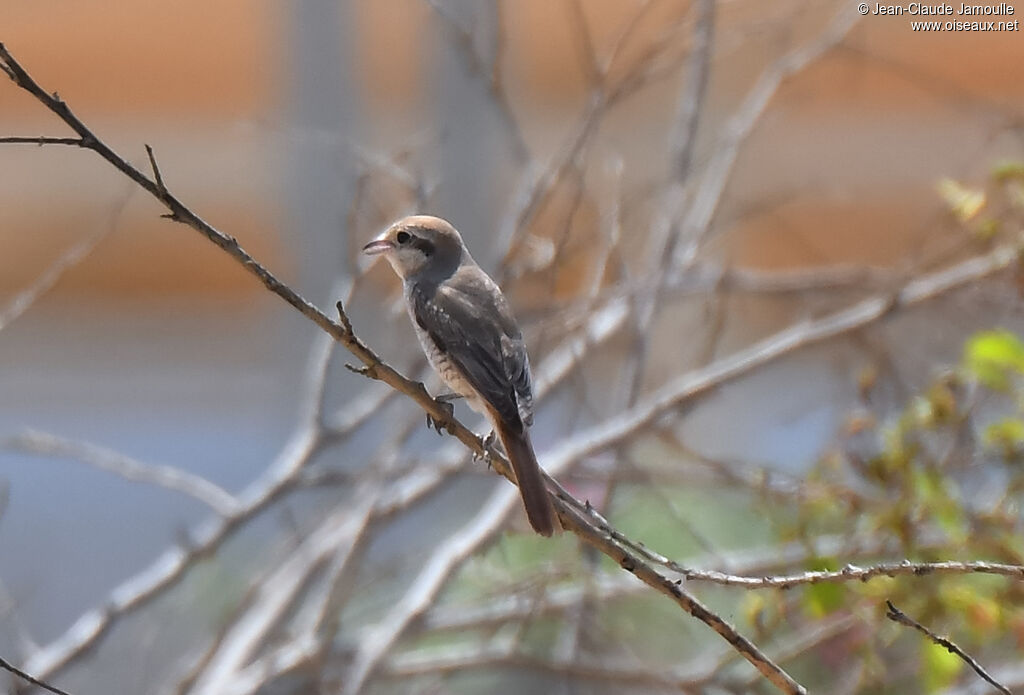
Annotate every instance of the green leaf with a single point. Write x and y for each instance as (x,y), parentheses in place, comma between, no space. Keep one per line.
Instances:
(939,666)
(993,356)
(822,599)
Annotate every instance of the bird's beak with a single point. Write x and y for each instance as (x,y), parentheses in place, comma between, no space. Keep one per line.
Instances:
(378,246)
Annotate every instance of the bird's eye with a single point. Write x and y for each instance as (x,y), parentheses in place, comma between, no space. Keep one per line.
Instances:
(403,237)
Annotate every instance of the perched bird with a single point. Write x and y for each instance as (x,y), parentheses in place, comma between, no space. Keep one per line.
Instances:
(470,337)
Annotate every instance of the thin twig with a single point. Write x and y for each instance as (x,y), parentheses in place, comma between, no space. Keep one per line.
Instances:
(179,212)
(666,233)
(338,533)
(74,255)
(195,486)
(446,558)
(492,77)
(460,658)
(39,139)
(286,472)
(896,615)
(683,143)
(585,45)
(697,223)
(156,171)
(172,565)
(31,679)
(537,182)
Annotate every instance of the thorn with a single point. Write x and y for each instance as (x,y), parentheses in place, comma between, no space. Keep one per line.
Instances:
(346,325)
(161,189)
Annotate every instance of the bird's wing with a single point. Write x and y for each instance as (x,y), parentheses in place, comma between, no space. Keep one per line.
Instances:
(517,369)
(475,329)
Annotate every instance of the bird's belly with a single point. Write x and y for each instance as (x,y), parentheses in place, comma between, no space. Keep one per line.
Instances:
(448,371)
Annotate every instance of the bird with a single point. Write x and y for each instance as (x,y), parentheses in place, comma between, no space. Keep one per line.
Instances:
(470,337)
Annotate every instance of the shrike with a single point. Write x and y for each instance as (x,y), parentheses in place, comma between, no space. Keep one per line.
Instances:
(470,337)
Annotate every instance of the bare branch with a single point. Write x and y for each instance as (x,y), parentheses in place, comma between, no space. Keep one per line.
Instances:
(803,641)
(692,96)
(537,182)
(338,533)
(502,609)
(609,544)
(689,385)
(604,587)
(896,615)
(195,486)
(696,224)
(853,573)
(286,472)
(704,277)
(74,255)
(585,45)
(667,230)
(139,590)
(181,213)
(40,139)
(493,76)
(504,653)
(375,644)
(31,679)
(156,171)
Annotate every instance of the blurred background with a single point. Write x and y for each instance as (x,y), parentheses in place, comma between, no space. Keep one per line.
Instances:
(677,197)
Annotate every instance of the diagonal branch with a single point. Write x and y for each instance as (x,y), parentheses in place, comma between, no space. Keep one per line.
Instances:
(339,533)
(67,260)
(28,678)
(896,615)
(179,212)
(40,140)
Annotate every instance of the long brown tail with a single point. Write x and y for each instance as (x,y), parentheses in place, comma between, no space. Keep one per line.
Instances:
(531,483)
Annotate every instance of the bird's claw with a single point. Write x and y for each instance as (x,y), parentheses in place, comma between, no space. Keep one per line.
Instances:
(487,444)
(444,402)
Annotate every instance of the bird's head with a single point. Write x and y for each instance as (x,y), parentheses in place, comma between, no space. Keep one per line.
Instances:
(420,246)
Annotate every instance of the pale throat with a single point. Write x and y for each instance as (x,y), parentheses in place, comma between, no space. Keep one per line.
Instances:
(404,264)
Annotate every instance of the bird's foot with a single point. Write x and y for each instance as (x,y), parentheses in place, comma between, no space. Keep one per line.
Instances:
(487,444)
(444,401)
